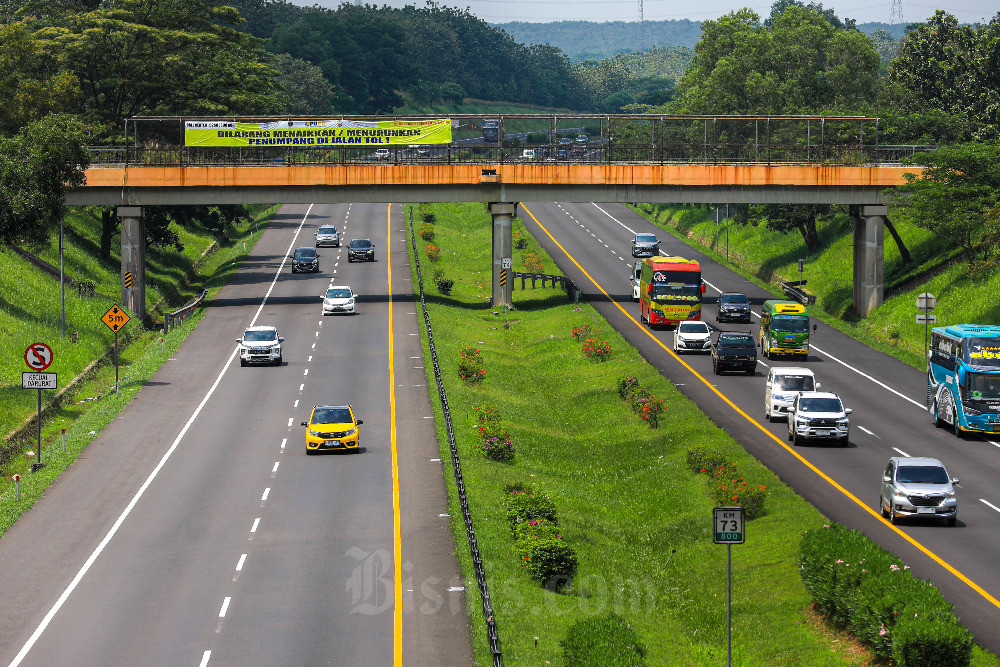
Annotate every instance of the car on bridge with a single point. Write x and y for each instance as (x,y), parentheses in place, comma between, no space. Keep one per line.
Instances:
(734,351)
(361,250)
(305,260)
(332,428)
(327,235)
(260,345)
(818,415)
(338,299)
(919,487)
(382,154)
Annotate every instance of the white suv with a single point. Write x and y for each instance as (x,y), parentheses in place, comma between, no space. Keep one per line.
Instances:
(692,336)
(818,415)
(783,383)
(260,345)
(916,486)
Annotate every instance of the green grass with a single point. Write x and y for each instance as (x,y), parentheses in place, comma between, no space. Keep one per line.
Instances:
(30,312)
(768,257)
(625,497)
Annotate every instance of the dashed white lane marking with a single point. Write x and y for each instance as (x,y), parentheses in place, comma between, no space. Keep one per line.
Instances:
(283,441)
(296,403)
(290,420)
(239,567)
(263,498)
(989,504)
(436,460)
(429,417)
(901,452)
(455,589)
(317,334)
(204,658)
(314,346)
(253,528)
(222,613)
(275,468)
(763,364)
(862,428)
(443,515)
(310,358)
(305,372)
(301,387)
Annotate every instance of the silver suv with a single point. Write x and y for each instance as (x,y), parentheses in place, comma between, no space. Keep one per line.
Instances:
(260,345)
(818,415)
(645,245)
(914,486)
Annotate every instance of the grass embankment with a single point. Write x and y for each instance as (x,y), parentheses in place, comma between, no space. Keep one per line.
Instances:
(625,497)
(767,257)
(30,312)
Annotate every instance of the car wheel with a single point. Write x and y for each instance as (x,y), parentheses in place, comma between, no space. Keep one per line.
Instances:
(844,442)
(791,436)
(350,259)
(278,362)
(881,508)
(952,521)
(893,519)
(715,369)
(796,439)
(765,348)
(767,414)
(752,371)
(243,363)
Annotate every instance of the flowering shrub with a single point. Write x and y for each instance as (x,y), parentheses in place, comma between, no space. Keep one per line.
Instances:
(487,412)
(433,252)
(642,401)
(582,331)
(523,506)
(470,365)
(444,284)
(596,352)
(626,385)
(703,459)
(536,528)
(731,490)
(520,243)
(650,409)
(496,448)
(548,560)
(427,231)
(532,262)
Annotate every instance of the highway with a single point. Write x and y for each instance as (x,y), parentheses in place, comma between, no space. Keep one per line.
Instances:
(591,244)
(194,530)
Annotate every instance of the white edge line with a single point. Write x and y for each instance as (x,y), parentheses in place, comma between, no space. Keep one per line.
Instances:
(989,504)
(901,452)
(204,658)
(145,485)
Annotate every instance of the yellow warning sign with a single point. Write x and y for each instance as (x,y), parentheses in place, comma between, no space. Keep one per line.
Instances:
(115,318)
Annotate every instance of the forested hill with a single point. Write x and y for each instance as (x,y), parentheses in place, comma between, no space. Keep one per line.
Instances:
(583,40)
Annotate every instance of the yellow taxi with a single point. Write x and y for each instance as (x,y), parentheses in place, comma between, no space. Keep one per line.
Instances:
(332,428)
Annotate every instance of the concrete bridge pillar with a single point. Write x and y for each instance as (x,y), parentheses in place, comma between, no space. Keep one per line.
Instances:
(503,278)
(133,276)
(869,257)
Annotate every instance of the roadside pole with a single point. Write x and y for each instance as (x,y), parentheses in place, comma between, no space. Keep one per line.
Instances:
(926,302)
(729,529)
(38,357)
(115,318)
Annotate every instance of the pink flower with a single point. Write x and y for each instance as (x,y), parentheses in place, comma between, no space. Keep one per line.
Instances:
(882,631)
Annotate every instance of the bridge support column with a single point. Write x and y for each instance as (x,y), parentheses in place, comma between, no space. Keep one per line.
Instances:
(133,276)
(503,219)
(869,257)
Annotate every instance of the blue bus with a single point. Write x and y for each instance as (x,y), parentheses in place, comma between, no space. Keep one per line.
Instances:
(963,378)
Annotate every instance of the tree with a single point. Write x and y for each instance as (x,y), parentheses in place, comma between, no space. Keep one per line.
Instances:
(304,90)
(788,218)
(37,166)
(951,68)
(31,84)
(957,198)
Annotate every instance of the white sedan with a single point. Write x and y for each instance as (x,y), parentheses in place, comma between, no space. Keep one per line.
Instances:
(338,299)
(692,336)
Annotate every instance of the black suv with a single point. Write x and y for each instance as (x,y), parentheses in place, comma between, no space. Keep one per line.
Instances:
(362,250)
(733,307)
(305,259)
(734,351)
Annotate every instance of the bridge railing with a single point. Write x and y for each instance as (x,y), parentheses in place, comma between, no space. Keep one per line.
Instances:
(535,139)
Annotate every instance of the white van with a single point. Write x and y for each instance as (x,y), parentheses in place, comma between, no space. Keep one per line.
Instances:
(783,384)
(634,279)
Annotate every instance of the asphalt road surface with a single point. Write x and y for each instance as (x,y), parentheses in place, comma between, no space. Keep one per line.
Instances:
(591,243)
(195,530)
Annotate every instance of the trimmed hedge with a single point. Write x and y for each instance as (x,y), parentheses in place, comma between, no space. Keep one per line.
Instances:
(861,587)
(548,560)
(526,505)
(603,640)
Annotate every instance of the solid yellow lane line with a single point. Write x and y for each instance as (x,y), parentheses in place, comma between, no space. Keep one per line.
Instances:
(396,532)
(940,561)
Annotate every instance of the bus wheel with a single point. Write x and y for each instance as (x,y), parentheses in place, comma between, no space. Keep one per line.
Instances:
(938,422)
(959,433)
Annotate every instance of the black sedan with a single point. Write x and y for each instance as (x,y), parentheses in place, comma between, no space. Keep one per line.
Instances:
(733,307)
(305,259)
(361,250)
(734,351)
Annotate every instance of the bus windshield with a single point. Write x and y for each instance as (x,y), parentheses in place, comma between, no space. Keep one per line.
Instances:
(982,352)
(676,292)
(790,323)
(983,386)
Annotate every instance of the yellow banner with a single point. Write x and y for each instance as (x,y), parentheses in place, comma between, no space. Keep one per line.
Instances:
(318,133)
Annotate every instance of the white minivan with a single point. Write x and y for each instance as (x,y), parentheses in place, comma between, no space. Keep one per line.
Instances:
(783,383)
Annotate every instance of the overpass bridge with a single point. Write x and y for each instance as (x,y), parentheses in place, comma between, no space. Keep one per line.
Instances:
(634,158)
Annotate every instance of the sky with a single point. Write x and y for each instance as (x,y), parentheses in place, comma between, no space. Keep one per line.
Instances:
(541,11)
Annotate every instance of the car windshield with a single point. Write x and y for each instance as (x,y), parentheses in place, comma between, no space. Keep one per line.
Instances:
(305,253)
(692,327)
(259,336)
(921,475)
(338,293)
(820,405)
(327,230)
(331,416)
(794,382)
(791,323)
(361,243)
(645,238)
(734,300)
(728,342)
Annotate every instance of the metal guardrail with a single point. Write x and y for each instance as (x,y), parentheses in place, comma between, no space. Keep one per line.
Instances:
(793,288)
(171,320)
(477,562)
(545,139)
